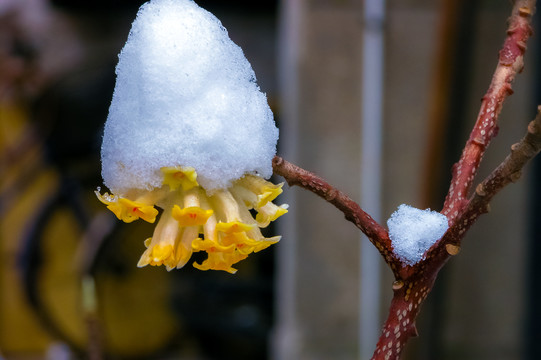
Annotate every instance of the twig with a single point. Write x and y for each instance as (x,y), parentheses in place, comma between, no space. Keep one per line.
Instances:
(509,171)
(486,127)
(377,234)
(413,283)
(410,292)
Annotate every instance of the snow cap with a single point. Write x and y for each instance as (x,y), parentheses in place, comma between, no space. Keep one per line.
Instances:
(185,95)
(414,231)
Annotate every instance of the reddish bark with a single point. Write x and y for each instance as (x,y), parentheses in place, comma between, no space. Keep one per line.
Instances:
(414,283)
(486,127)
(377,234)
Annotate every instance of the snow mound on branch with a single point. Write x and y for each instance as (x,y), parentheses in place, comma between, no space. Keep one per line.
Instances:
(413,231)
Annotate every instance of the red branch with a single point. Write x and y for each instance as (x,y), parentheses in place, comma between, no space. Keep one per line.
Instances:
(509,171)
(486,127)
(377,234)
(411,291)
(295,175)
(413,283)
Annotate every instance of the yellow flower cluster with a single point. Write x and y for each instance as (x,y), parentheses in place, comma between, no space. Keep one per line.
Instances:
(230,232)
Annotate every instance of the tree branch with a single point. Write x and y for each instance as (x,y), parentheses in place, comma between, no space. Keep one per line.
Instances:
(414,283)
(486,127)
(411,291)
(509,171)
(377,234)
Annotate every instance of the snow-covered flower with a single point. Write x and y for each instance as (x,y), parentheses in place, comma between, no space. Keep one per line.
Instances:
(189,132)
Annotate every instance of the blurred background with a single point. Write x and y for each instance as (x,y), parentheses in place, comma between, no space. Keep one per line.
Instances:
(69,287)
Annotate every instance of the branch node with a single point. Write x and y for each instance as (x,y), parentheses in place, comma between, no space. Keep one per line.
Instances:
(452,249)
(522,46)
(479,141)
(507,87)
(515,176)
(398,284)
(524,12)
(512,30)
(533,128)
(515,146)
(505,60)
(277,160)
(331,195)
(480,190)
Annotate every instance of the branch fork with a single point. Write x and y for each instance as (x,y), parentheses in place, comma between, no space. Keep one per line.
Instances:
(413,283)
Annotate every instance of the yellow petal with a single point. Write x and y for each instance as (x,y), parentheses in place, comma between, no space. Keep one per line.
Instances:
(235,238)
(265,190)
(184,249)
(128,210)
(225,206)
(233,227)
(220,261)
(248,197)
(144,260)
(147,242)
(246,245)
(269,212)
(269,194)
(162,255)
(179,176)
(183,253)
(191,216)
(211,246)
(159,254)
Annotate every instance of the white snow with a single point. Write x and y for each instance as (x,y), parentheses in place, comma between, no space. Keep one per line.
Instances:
(413,231)
(185,95)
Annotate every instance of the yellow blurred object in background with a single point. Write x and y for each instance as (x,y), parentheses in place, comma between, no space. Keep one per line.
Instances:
(133,319)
